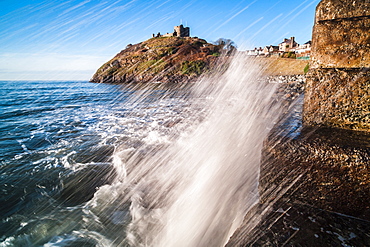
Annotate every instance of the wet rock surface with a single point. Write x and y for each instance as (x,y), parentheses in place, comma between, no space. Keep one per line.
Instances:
(314,183)
(326,168)
(292,224)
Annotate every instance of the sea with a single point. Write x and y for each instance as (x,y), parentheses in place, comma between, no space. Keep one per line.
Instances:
(86,164)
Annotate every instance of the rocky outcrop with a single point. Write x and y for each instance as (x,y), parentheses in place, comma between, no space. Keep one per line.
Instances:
(338,83)
(162,59)
(341,37)
(290,224)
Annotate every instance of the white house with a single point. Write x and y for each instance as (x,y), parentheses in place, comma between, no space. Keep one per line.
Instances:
(288,45)
(303,51)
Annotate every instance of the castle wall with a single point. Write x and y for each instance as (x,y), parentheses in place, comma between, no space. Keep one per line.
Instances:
(182,31)
(179,31)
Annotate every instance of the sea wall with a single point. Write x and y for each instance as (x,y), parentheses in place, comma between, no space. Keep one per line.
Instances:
(338,84)
(315,177)
(314,191)
(330,153)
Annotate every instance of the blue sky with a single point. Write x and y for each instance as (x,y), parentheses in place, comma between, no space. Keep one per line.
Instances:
(70,40)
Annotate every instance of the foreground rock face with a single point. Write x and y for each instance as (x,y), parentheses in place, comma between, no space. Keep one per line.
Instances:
(338,84)
(314,183)
(163,59)
(289,224)
(326,168)
(314,189)
(341,36)
(338,98)
(315,179)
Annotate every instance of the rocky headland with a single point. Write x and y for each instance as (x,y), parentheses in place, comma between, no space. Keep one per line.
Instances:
(181,59)
(161,59)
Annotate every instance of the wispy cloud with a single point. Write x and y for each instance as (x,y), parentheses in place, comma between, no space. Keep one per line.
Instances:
(235,15)
(265,26)
(75,7)
(302,7)
(249,26)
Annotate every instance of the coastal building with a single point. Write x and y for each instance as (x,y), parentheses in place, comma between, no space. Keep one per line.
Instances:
(255,52)
(271,50)
(251,52)
(288,45)
(289,48)
(303,51)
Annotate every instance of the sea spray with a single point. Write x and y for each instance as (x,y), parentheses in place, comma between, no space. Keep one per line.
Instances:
(195,187)
(116,165)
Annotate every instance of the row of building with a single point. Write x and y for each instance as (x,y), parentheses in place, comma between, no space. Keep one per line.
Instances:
(288,46)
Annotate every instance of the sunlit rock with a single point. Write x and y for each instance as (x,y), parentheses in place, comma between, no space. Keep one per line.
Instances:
(338,84)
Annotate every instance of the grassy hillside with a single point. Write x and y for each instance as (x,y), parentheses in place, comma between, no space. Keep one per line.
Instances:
(162,59)
(283,66)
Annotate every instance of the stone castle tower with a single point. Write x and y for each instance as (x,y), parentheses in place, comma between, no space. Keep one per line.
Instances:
(179,31)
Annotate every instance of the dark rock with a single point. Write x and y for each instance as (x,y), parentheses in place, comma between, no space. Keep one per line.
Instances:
(314,189)
(325,168)
(314,183)
(289,224)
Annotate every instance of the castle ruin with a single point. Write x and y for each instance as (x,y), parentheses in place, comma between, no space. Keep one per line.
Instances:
(179,31)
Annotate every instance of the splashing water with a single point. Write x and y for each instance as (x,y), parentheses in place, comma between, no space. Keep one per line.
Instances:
(111,165)
(196,190)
